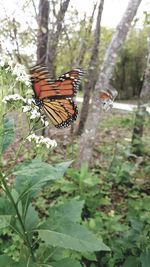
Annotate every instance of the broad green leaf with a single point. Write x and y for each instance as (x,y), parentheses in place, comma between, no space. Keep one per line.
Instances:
(70,211)
(132,262)
(68,187)
(46,253)
(6,207)
(15,196)
(6,261)
(146,203)
(66,263)
(72,236)
(36,167)
(26,260)
(4,221)
(32,264)
(6,134)
(32,219)
(32,176)
(145,259)
(91,256)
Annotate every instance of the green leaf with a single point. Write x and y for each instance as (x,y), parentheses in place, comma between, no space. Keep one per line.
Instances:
(66,263)
(145,203)
(132,262)
(4,221)
(26,260)
(72,236)
(6,134)
(145,259)
(6,207)
(62,231)
(32,219)
(44,252)
(32,176)
(6,261)
(16,196)
(70,211)
(32,264)
(68,187)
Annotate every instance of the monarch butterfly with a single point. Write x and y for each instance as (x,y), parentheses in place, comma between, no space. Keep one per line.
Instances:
(54,97)
(107,98)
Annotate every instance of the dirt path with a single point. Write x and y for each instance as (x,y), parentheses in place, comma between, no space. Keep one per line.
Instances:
(116,105)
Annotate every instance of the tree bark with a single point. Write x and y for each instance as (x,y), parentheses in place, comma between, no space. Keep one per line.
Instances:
(92,71)
(54,37)
(85,42)
(141,111)
(89,135)
(42,39)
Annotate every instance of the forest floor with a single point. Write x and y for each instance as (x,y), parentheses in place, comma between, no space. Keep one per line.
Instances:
(115,188)
(115,129)
(113,139)
(129,105)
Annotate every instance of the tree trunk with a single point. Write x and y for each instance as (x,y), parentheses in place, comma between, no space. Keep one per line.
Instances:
(42,39)
(141,111)
(54,37)
(85,42)
(92,71)
(89,135)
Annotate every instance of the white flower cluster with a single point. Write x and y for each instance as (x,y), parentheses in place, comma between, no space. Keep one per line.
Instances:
(40,140)
(34,112)
(17,69)
(14,97)
(20,72)
(27,107)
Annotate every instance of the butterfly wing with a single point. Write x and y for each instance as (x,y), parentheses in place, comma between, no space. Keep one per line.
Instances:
(54,97)
(107,98)
(69,82)
(40,80)
(65,86)
(104,96)
(62,112)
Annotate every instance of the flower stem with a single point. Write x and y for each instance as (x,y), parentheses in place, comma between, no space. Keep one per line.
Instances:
(24,232)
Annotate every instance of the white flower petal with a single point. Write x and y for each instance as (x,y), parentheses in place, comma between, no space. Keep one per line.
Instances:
(42,140)
(14,97)
(26,108)
(20,72)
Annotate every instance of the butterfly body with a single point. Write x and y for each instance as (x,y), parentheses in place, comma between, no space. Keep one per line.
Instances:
(107,98)
(38,101)
(54,97)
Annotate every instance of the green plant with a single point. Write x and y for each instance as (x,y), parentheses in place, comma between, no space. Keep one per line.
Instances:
(81,184)
(34,239)
(114,208)
(60,229)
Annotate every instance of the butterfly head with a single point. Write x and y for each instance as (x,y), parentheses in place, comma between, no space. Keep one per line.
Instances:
(37,101)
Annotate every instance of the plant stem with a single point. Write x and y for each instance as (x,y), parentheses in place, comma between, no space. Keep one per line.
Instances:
(17,154)
(25,235)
